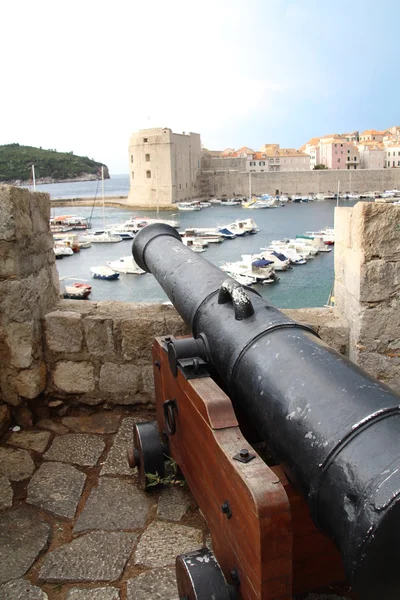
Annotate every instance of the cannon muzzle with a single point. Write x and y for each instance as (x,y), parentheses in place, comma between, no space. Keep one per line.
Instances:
(334,428)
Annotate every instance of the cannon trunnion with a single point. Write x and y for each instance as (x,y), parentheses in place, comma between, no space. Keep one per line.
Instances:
(334,430)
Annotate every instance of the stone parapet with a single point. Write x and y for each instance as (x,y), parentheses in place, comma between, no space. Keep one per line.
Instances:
(367,286)
(101,352)
(29,287)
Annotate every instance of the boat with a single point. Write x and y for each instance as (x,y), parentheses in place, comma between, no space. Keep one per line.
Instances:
(215,201)
(189,206)
(244,279)
(231,202)
(125,264)
(279,260)
(77,291)
(205,204)
(195,244)
(104,273)
(135,224)
(69,222)
(62,250)
(124,235)
(260,269)
(103,236)
(290,253)
(226,233)
(243,225)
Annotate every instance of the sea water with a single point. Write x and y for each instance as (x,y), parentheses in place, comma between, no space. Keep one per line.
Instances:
(302,286)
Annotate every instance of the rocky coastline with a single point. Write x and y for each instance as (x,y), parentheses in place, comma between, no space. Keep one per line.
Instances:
(45,180)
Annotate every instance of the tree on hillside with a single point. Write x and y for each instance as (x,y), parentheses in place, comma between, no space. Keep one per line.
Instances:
(320,167)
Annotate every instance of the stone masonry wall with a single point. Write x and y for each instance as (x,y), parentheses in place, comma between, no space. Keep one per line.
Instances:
(29,286)
(303,182)
(100,352)
(367,286)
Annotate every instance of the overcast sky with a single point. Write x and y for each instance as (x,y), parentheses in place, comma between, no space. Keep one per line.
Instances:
(83,75)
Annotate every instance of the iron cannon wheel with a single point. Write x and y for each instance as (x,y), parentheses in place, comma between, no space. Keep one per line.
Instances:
(200,577)
(149,452)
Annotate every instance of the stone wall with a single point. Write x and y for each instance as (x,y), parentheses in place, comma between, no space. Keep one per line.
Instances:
(100,352)
(29,287)
(303,182)
(367,286)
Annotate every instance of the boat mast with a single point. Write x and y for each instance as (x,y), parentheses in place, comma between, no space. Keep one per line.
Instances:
(34,178)
(338,189)
(249,186)
(102,196)
(157,198)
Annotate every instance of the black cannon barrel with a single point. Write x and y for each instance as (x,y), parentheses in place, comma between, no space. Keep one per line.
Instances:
(335,428)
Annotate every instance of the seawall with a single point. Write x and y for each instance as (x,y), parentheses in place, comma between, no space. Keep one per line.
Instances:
(304,182)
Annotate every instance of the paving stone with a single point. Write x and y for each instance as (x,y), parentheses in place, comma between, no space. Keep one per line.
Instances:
(6,493)
(23,536)
(52,426)
(77,448)
(114,505)
(98,556)
(157,585)
(5,418)
(97,423)
(30,440)
(15,464)
(116,462)
(56,487)
(21,589)
(173,503)
(104,593)
(162,542)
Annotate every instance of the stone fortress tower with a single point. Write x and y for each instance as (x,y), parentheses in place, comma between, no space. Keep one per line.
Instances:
(164,167)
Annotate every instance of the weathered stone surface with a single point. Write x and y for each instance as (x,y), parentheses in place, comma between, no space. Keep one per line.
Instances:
(103,593)
(173,503)
(99,335)
(97,423)
(374,230)
(21,589)
(147,386)
(21,340)
(23,537)
(6,493)
(92,557)
(5,418)
(379,280)
(15,464)
(113,506)
(57,488)
(162,542)
(325,597)
(52,426)
(159,584)
(77,448)
(30,440)
(31,382)
(116,462)
(74,377)
(63,331)
(121,382)
(137,334)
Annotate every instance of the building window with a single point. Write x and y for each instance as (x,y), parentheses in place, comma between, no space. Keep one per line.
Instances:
(341,145)
(133,175)
(145,140)
(131,158)
(180,186)
(338,159)
(388,153)
(147,157)
(394,163)
(186,185)
(398,163)
(348,151)
(148,174)
(341,152)
(355,158)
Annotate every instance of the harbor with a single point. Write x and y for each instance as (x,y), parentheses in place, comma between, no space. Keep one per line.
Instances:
(299,287)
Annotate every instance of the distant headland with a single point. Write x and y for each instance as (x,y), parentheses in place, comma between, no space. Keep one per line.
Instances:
(50,166)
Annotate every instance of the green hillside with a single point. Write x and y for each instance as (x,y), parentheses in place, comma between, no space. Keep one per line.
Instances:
(16,162)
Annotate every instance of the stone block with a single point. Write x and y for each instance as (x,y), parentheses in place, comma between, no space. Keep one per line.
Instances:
(159,584)
(15,464)
(15,220)
(379,280)
(137,335)
(121,382)
(77,448)
(5,418)
(380,327)
(21,340)
(147,386)
(23,537)
(6,494)
(74,377)
(375,230)
(116,462)
(99,335)
(98,556)
(161,543)
(63,331)
(103,593)
(103,422)
(30,440)
(31,382)
(343,226)
(21,589)
(57,488)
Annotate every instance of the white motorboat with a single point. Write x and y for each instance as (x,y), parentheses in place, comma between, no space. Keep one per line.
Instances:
(124,235)
(231,202)
(125,264)
(279,260)
(262,270)
(205,204)
(135,224)
(243,225)
(102,237)
(189,206)
(62,250)
(195,244)
(244,279)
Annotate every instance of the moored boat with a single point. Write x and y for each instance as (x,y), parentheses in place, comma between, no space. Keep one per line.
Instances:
(104,272)
(125,264)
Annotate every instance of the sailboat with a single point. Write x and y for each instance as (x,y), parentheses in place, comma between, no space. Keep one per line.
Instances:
(102,236)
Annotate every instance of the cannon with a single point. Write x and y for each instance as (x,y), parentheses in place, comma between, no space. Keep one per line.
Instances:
(325,506)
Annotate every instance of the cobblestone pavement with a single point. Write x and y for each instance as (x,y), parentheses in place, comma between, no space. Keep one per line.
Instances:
(75,525)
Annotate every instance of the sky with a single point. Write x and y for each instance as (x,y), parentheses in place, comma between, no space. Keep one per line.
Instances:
(82,76)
